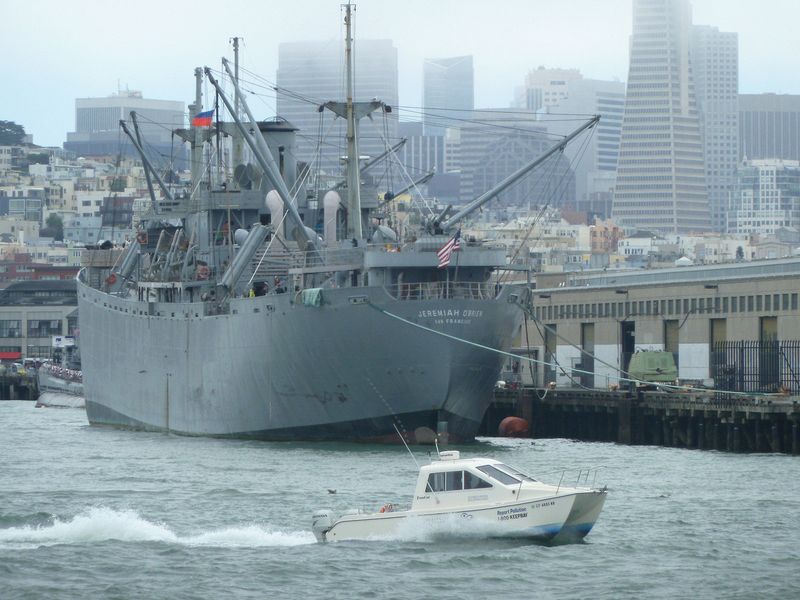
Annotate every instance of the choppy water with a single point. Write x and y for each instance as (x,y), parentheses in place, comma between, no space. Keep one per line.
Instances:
(89,512)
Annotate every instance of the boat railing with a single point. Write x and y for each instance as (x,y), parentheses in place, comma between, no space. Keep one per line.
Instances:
(441,290)
(585,477)
(63,372)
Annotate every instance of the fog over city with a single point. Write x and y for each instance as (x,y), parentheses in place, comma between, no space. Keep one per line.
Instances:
(58,51)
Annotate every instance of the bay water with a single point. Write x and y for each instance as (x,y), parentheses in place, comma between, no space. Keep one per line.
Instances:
(89,512)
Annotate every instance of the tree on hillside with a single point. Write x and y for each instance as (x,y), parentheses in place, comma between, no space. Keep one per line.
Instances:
(39,158)
(54,227)
(11,134)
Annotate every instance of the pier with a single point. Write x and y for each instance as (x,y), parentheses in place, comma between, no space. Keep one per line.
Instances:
(18,387)
(703,421)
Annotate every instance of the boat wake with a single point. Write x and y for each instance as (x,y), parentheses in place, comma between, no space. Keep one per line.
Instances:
(102,524)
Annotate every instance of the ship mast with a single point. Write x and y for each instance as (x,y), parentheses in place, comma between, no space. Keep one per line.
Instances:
(353,112)
(353,170)
(196,133)
(237,139)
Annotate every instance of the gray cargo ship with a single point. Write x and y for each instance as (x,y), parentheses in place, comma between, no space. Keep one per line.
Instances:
(229,316)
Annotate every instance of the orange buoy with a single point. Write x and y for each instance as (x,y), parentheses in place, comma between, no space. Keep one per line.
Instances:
(513,427)
(111,279)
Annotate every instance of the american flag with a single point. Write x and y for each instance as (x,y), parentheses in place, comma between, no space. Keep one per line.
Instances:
(453,244)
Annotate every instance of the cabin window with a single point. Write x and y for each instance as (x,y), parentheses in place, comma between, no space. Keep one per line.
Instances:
(446,482)
(455,481)
(499,475)
(473,482)
(515,473)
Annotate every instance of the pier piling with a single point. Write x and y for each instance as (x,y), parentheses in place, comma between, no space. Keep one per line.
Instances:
(681,420)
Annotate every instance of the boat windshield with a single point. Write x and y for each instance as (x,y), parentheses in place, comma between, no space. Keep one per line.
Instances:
(515,473)
(451,481)
(499,475)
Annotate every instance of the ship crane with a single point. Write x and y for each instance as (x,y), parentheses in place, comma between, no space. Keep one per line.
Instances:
(258,146)
(447,225)
(148,167)
(389,196)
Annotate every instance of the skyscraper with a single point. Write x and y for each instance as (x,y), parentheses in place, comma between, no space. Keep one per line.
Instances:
(715,66)
(593,158)
(769,126)
(97,129)
(421,153)
(766,197)
(545,87)
(312,73)
(448,93)
(661,182)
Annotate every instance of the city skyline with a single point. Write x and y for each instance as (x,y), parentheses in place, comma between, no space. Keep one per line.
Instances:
(78,54)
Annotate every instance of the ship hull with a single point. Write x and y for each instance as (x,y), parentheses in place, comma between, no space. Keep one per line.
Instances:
(272,368)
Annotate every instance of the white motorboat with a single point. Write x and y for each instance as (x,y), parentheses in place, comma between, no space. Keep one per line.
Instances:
(475,496)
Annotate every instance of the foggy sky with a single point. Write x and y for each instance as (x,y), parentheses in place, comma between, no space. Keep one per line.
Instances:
(56,51)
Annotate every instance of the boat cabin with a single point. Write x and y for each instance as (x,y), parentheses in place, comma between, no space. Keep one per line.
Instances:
(453,482)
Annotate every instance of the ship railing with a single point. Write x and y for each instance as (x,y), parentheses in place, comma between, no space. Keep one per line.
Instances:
(444,290)
(280,260)
(333,256)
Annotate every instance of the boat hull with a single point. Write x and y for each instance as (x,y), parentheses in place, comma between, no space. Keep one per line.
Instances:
(61,392)
(273,368)
(543,519)
(582,517)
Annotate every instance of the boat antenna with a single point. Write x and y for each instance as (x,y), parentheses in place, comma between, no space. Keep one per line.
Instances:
(402,439)
(436,443)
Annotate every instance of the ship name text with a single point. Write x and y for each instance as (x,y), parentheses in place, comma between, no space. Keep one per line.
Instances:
(451,316)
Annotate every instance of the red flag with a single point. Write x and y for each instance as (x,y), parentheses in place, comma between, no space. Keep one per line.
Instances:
(203,119)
